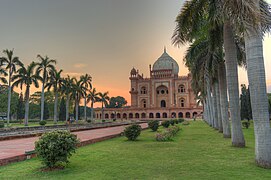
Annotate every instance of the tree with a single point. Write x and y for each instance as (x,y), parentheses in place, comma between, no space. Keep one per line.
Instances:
(3,75)
(55,82)
(26,77)
(78,91)
(45,66)
(116,102)
(245,103)
(62,110)
(93,96)
(103,98)
(86,82)
(20,107)
(67,90)
(10,63)
(4,100)
(46,111)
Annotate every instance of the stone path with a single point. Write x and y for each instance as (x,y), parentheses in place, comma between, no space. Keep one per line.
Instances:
(10,149)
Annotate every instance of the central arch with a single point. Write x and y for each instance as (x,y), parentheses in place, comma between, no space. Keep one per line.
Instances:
(163,104)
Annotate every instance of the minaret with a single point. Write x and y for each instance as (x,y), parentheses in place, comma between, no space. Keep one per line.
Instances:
(165,49)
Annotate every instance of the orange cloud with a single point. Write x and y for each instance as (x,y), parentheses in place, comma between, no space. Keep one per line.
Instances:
(79,65)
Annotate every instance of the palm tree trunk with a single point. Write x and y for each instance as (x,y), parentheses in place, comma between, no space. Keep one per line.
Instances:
(102,111)
(238,139)
(224,100)
(9,96)
(215,106)
(92,104)
(67,106)
(55,107)
(258,95)
(76,111)
(85,108)
(26,106)
(219,120)
(209,99)
(42,102)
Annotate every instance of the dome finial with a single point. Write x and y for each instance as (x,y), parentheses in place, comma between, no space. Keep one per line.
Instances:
(165,49)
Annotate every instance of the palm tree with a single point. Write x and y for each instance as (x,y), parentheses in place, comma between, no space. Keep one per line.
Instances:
(26,77)
(66,89)
(3,75)
(103,98)
(45,66)
(86,82)
(10,62)
(93,96)
(78,91)
(55,82)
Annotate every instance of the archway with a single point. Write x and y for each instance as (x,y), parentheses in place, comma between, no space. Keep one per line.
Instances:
(106,116)
(118,116)
(136,115)
(173,115)
(164,115)
(151,115)
(112,116)
(195,114)
(143,115)
(180,115)
(124,116)
(163,103)
(157,115)
(130,115)
(187,115)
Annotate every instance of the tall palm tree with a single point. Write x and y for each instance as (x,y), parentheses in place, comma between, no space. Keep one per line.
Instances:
(86,82)
(45,66)
(66,89)
(10,63)
(55,82)
(26,77)
(104,99)
(78,91)
(93,96)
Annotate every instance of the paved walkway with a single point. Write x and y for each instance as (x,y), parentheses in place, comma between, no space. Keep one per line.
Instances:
(18,147)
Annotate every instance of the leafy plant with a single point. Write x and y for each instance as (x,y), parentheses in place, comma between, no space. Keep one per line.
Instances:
(132,131)
(181,120)
(56,147)
(2,124)
(185,123)
(153,125)
(42,122)
(168,134)
(172,122)
(246,124)
(176,121)
(165,124)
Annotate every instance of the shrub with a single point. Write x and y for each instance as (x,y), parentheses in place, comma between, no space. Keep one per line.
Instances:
(2,124)
(185,123)
(176,121)
(153,125)
(172,122)
(89,120)
(246,124)
(103,120)
(42,122)
(173,130)
(132,131)
(168,134)
(165,124)
(56,147)
(181,120)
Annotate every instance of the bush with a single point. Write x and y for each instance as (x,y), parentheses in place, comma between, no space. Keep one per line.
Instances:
(153,125)
(181,120)
(132,131)
(56,147)
(168,134)
(172,122)
(176,121)
(103,120)
(185,123)
(42,122)
(165,124)
(246,124)
(2,124)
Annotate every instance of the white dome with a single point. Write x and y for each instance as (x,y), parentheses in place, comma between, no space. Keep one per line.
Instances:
(166,62)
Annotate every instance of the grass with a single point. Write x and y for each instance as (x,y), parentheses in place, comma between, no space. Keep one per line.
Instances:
(197,152)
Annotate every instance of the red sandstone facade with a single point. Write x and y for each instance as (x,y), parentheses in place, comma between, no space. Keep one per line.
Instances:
(164,95)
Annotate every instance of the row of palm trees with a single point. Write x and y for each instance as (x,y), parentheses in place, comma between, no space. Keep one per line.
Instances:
(222,35)
(14,73)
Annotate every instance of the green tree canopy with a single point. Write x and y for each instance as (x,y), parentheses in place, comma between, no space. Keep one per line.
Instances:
(116,102)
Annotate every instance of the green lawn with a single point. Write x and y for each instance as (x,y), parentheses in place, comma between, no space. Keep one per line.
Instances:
(197,152)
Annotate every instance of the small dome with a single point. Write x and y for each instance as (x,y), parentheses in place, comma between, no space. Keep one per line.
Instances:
(166,62)
(133,71)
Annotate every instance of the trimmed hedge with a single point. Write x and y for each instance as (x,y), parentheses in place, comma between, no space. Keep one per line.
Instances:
(153,125)
(165,124)
(132,131)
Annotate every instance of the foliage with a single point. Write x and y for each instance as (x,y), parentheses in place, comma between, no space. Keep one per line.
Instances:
(185,122)
(245,110)
(168,134)
(89,120)
(20,108)
(46,114)
(56,147)
(42,122)
(176,121)
(132,131)
(172,122)
(246,124)
(153,125)
(2,124)
(181,120)
(62,110)
(165,124)
(4,100)
(116,102)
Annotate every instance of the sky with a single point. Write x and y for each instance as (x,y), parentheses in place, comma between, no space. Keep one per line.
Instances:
(104,38)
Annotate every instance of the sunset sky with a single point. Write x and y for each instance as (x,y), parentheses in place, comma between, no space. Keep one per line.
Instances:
(105,38)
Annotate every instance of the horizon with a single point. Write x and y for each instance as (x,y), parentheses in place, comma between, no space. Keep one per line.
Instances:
(101,38)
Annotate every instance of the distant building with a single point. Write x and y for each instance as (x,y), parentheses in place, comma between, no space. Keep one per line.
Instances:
(163,95)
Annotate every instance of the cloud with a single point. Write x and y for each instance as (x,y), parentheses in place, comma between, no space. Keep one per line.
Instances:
(72,74)
(80,65)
